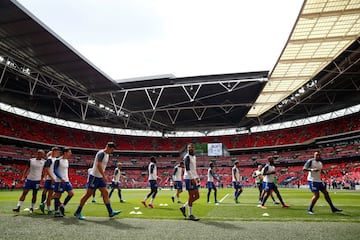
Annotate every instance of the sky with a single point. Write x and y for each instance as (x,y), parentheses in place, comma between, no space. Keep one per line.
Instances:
(139,38)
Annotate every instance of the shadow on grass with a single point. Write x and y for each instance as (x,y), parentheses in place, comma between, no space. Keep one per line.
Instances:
(116,222)
(218,224)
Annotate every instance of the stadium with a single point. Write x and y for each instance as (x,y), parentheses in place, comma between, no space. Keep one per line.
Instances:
(52,96)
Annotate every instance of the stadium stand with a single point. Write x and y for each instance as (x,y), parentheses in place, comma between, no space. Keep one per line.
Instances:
(338,141)
(27,129)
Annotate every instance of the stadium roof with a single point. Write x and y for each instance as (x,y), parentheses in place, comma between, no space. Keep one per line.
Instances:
(317,72)
(324,30)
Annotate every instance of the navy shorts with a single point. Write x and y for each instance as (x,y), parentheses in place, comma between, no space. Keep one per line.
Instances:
(95,182)
(267,186)
(115,184)
(178,185)
(190,186)
(237,185)
(30,184)
(153,184)
(210,185)
(48,185)
(60,187)
(316,186)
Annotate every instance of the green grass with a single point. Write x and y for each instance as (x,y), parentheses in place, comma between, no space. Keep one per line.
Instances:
(227,210)
(224,221)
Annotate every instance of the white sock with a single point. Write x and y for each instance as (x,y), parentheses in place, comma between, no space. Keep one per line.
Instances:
(190,210)
(20,203)
(151,201)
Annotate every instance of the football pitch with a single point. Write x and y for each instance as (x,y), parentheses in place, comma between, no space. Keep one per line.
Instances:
(225,220)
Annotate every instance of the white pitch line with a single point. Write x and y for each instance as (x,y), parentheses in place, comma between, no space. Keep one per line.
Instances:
(221,200)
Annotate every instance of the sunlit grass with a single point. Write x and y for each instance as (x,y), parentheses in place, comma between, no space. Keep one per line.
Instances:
(247,210)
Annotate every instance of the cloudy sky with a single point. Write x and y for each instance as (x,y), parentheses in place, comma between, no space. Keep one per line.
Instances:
(137,38)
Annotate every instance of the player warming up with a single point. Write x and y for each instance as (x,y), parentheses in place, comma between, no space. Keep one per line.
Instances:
(33,174)
(210,182)
(115,183)
(97,180)
(177,178)
(314,166)
(47,193)
(152,182)
(258,180)
(268,183)
(235,172)
(62,183)
(191,182)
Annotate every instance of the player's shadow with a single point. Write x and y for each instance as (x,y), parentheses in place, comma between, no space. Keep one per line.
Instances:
(218,224)
(116,223)
(340,214)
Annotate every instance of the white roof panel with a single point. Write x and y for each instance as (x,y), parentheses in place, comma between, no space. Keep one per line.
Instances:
(324,29)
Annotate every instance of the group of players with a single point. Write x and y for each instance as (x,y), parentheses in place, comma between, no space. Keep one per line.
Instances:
(265,178)
(55,169)
(190,177)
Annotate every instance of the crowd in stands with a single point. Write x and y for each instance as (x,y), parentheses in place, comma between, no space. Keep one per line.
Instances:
(24,128)
(340,175)
(344,175)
